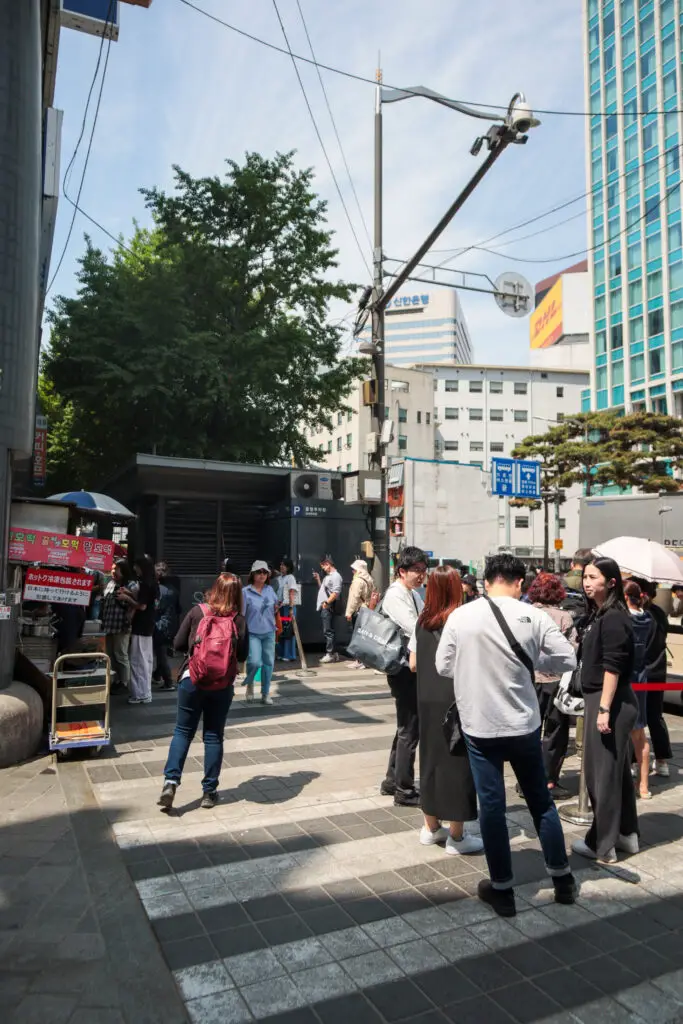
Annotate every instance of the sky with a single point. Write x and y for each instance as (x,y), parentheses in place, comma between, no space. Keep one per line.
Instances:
(182,89)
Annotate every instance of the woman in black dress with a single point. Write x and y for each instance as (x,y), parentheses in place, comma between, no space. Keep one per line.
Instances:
(610,715)
(447,790)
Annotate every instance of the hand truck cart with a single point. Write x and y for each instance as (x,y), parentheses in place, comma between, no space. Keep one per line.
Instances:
(77,695)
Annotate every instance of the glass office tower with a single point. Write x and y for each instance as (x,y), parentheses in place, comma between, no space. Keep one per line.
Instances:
(633,140)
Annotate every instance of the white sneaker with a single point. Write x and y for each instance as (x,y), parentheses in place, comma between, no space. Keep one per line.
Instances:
(135,700)
(329,659)
(429,838)
(249,693)
(267,699)
(581,847)
(468,844)
(628,844)
(661,768)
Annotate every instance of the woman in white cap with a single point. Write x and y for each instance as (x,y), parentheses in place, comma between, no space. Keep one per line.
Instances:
(359,594)
(260,604)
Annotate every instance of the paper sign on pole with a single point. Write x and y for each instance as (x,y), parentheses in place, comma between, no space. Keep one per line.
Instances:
(56,587)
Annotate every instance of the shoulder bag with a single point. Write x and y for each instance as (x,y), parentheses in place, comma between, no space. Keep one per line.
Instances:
(512,640)
(377,641)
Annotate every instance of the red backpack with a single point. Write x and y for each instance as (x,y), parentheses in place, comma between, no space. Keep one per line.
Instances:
(213,659)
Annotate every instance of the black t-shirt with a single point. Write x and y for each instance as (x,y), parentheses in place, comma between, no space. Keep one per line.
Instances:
(143,622)
(607,646)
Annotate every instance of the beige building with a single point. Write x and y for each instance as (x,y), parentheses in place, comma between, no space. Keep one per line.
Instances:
(409,403)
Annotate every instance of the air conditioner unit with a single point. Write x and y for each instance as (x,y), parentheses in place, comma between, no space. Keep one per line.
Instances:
(318,486)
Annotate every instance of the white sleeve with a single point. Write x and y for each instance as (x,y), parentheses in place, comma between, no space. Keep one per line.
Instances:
(412,643)
(445,652)
(557,654)
(400,612)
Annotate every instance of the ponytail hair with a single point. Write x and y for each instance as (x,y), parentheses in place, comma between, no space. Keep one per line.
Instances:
(634,594)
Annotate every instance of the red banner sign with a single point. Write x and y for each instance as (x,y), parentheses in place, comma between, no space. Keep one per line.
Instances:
(60,549)
(57,587)
(40,452)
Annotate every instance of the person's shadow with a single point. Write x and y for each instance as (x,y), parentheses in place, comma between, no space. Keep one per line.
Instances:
(261,789)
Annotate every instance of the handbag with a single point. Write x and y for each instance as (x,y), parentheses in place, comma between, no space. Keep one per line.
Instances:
(512,640)
(569,698)
(377,641)
(451,728)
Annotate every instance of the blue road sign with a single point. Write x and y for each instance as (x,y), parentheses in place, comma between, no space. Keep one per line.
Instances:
(503,477)
(528,479)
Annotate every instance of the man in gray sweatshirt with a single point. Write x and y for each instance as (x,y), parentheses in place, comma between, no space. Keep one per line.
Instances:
(500,720)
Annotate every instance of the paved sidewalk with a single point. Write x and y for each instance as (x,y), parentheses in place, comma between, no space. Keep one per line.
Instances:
(304,897)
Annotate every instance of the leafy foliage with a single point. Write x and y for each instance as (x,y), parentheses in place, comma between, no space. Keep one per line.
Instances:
(206,336)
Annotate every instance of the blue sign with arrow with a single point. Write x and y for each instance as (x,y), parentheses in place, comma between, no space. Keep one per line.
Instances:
(515,478)
(528,479)
(503,477)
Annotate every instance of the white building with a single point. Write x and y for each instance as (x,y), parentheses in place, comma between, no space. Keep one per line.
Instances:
(425,324)
(483,412)
(409,402)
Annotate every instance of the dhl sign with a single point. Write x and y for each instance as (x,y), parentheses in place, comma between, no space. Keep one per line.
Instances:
(545,323)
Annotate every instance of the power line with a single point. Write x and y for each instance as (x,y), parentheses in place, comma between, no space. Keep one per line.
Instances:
(322,144)
(409,92)
(90,142)
(334,125)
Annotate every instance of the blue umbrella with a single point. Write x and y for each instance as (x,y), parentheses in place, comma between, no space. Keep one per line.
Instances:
(89,501)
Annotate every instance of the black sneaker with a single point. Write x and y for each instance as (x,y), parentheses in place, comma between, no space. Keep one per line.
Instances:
(387,788)
(407,799)
(167,795)
(565,889)
(209,800)
(502,900)
(559,793)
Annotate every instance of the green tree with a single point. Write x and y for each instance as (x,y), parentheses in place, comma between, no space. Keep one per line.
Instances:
(645,447)
(206,336)
(576,451)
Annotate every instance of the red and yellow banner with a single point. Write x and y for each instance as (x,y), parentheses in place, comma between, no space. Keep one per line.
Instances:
(545,323)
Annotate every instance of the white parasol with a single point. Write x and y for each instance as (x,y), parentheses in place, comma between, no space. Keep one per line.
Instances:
(645,558)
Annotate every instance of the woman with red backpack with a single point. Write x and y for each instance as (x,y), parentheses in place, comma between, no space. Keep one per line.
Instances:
(213,638)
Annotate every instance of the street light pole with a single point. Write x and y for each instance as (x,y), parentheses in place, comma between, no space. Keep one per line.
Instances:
(379,511)
(516,123)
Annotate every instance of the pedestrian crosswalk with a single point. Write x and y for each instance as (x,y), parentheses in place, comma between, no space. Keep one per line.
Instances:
(305,896)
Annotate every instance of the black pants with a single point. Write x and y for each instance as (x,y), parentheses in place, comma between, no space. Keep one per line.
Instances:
(327,619)
(401,767)
(162,669)
(659,734)
(555,742)
(608,770)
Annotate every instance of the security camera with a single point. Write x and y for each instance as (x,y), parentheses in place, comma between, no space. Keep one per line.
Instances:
(520,115)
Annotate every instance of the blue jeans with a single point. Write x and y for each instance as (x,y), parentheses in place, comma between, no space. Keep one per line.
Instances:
(194,703)
(286,649)
(261,656)
(487,761)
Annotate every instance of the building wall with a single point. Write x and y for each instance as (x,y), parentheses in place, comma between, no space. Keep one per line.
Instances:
(409,402)
(529,400)
(633,64)
(424,323)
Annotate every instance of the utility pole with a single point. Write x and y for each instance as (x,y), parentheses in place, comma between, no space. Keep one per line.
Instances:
(558,551)
(379,457)
(516,122)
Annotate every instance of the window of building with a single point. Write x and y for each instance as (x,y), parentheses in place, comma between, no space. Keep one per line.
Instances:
(652,210)
(436,383)
(637,367)
(648,62)
(676,313)
(340,418)
(476,446)
(349,440)
(636,329)
(560,417)
(647,27)
(634,255)
(562,523)
(654,284)
(522,522)
(669,85)
(419,417)
(349,467)
(402,415)
(476,414)
(521,387)
(611,119)
(496,446)
(673,163)
(675,237)
(402,443)
(616,336)
(451,446)
(676,276)
(630,75)
(476,387)
(349,415)
(600,342)
(615,264)
(615,301)
(608,25)
(521,416)
(655,322)
(656,361)
(635,292)
(450,413)
(608,58)
(559,392)
(428,417)
(339,444)
(400,385)
(496,415)
(452,385)
(329,445)
(496,387)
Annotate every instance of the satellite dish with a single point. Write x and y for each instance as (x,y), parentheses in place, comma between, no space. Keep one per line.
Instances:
(513,294)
